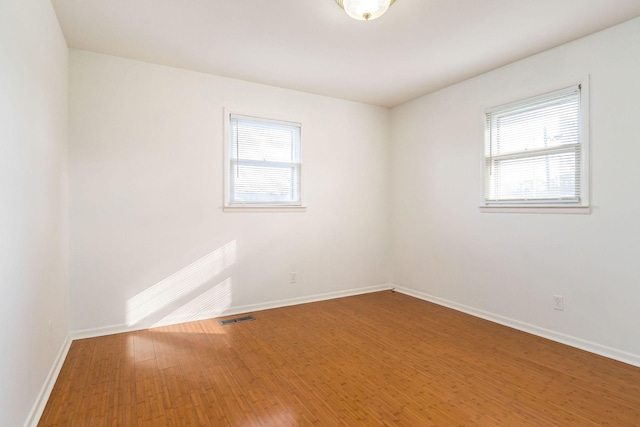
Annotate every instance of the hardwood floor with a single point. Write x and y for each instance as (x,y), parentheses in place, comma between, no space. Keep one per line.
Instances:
(370,360)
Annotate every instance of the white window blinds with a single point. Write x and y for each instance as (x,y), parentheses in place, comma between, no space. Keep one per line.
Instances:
(264,159)
(533,152)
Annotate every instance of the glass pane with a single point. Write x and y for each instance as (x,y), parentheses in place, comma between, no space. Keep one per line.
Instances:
(265,141)
(542,126)
(265,184)
(545,177)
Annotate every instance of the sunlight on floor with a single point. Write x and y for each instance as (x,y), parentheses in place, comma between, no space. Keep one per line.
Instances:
(180,283)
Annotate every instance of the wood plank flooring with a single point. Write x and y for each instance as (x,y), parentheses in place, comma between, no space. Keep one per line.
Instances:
(381,359)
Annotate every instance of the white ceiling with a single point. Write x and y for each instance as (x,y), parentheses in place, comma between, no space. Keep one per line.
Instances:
(419,46)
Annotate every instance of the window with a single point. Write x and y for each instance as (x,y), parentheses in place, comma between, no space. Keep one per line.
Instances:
(535,152)
(263,162)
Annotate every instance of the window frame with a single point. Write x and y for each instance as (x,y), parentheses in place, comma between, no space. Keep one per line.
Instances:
(582,206)
(268,206)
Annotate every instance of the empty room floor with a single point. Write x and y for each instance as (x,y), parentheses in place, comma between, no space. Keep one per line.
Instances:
(370,360)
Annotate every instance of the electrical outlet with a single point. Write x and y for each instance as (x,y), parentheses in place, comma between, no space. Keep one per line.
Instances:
(558,302)
(293,278)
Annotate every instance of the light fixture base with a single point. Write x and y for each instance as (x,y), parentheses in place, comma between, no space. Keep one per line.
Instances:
(364,14)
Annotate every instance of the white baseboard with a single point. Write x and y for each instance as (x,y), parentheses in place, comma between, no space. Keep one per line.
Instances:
(611,353)
(41,401)
(231,311)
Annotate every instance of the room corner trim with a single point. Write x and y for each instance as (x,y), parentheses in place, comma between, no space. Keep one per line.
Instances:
(43,396)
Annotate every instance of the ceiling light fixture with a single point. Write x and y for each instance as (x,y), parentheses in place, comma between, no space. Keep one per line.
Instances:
(365,10)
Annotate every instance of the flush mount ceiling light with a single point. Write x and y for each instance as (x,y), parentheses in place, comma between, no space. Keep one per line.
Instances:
(365,10)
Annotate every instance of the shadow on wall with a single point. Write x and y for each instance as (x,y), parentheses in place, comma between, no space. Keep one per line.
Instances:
(153,300)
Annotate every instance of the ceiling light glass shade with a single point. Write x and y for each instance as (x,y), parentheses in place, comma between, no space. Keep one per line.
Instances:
(365,10)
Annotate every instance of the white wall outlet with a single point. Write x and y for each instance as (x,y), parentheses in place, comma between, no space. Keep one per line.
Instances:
(558,302)
(293,278)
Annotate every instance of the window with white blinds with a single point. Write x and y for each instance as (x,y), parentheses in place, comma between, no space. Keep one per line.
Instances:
(534,151)
(264,166)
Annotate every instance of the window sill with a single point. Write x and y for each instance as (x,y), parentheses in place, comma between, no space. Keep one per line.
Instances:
(254,209)
(580,210)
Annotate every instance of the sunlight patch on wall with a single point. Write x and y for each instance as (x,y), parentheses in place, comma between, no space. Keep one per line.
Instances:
(180,283)
(210,304)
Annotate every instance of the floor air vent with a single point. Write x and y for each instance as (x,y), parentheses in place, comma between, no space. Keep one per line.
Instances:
(236,320)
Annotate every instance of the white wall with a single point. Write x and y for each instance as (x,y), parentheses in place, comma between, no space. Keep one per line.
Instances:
(508,266)
(33,198)
(146,183)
